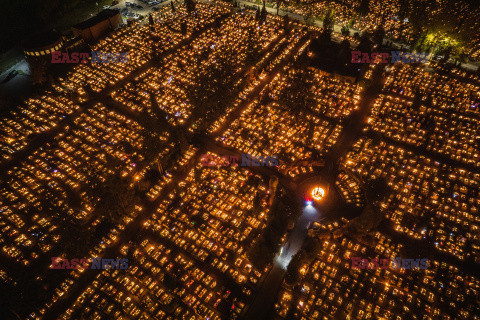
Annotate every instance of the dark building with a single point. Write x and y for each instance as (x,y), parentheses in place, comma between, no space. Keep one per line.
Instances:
(94,28)
(38,51)
(41,45)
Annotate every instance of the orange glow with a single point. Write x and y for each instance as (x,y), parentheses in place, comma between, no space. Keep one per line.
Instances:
(318,193)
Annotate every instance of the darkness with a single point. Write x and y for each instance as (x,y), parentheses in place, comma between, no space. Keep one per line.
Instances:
(21,18)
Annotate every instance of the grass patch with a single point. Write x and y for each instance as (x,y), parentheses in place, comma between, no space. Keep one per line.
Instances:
(9,59)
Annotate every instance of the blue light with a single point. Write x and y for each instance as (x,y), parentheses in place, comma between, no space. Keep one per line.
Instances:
(309,203)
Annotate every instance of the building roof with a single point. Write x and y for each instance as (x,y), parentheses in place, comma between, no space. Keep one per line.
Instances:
(101,16)
(42,40)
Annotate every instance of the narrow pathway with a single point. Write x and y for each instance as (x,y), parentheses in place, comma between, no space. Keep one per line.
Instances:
(267,295)
(264,300)
(355,123)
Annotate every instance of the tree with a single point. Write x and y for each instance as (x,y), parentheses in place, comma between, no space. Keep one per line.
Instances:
(190,4)
(183,28)
(298,260)
(446,51)
(312,246)
(329,20)
(150,22)
(263,14)
(420,43)
(151,145)
(180,138)
(378,36)
(20,295)
(376,190)
(460,57)
(418,18)
(117,199)
(364,7)
(417,99)
(197,174)
(351,23)
(154,122)
(345,31)
(213,89)
(259,254)
(155,54)
(155,119)
(369,219)
(344,55)
(365,44)
(268,244)
(75,235)
(308,17)
(279,3)
(324,41)
(253,48)
(286,24)
(297,96)
(404,10)
(172,6)
(257,204)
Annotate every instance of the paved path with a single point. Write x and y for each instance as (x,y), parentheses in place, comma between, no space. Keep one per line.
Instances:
(352,127)
(264,301)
